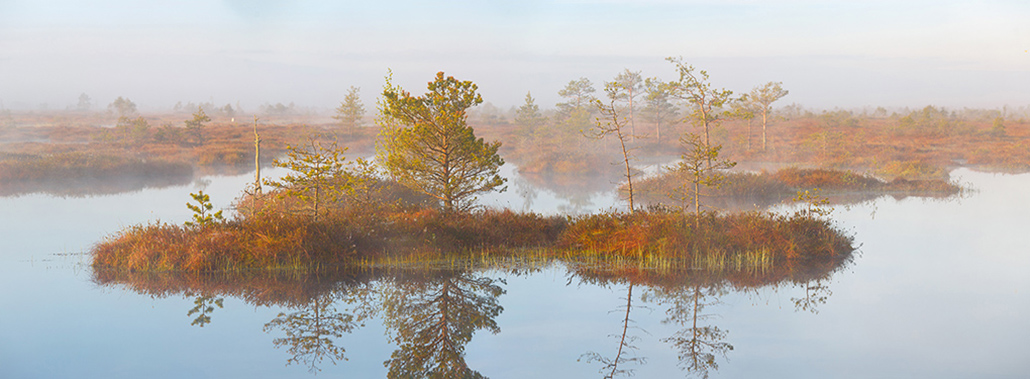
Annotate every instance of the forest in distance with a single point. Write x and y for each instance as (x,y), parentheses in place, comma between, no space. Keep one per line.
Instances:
(757,128)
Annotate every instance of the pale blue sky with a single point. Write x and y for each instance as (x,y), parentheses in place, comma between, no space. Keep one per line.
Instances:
(845,53)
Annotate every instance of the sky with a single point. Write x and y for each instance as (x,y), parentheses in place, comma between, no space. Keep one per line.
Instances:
(829,54)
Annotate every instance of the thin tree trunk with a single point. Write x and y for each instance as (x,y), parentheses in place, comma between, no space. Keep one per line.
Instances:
(629,176)
(764,122)
(315,218)
(625,327)
(257,158)
(632,122)
(749,134)
(697,201)
(658,132)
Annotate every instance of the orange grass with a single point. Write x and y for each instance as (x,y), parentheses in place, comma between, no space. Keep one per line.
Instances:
(273,239)
(278,240)
(670,234)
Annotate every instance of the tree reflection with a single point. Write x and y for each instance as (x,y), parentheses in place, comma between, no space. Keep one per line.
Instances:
(527,192)
(203,305)
(311,331)
(610,366)
(432,313)
(578,189)
(698,345)
(690,294)
(432,319)
(816,293)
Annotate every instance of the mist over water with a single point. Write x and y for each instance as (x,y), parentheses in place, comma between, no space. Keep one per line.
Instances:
(937,288)
(924,286)
(832,54)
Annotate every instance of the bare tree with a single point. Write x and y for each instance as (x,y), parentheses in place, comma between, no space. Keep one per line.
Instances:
(615,124)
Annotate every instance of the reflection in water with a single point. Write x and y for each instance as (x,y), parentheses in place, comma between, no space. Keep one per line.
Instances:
(816,293)
(310,331)
(203,306)
(432,313)
(689,292)
(432,317)
(577,190)
(610,367)
(698,344)
(86,187)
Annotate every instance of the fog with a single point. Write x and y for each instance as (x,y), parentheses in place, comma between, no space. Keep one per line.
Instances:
(829,54)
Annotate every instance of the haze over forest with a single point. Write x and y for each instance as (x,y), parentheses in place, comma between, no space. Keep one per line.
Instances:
(828,54)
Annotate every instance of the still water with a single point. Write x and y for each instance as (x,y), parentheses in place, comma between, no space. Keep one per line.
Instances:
(937,289)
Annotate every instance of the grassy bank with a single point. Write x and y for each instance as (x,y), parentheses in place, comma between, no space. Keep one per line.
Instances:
(352,236)
(280,240)
(80,173)
(746,190)
(83,160)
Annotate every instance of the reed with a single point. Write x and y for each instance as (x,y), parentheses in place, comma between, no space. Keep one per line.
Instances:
(397,236)
(719,241)
(271,237)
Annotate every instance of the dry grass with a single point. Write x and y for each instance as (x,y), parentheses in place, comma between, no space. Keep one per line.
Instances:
(94,159)
(81,173)
(272,238)
(673,235)
(745,190)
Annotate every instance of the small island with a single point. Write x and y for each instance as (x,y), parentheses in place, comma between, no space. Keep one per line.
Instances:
(415,203)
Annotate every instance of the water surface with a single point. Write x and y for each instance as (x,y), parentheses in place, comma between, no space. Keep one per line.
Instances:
(938,289)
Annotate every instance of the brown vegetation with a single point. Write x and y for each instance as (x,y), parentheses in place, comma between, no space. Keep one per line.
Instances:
(273,238)
(81,173)
(745,190)
(740,237)
(64,156)
(919,144)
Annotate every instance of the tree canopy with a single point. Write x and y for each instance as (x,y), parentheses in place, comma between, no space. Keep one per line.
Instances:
(320,174)
(351,111)
(123,107)
(428,146)
(703,101)
(762,98)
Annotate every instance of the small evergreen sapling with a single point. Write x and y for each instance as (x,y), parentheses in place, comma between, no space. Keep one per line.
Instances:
(202,215)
